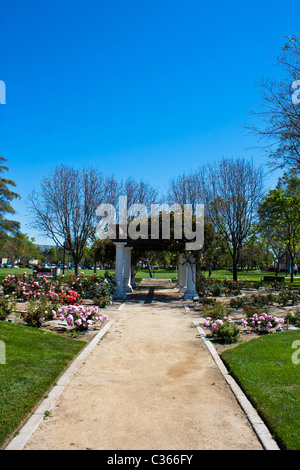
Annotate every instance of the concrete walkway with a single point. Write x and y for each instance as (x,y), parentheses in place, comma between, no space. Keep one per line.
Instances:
(149,384)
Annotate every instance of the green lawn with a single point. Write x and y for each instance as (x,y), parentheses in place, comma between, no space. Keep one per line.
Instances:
(253,275)
(33,361)
(265,370)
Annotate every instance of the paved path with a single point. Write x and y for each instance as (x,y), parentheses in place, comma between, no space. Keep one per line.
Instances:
(150,384)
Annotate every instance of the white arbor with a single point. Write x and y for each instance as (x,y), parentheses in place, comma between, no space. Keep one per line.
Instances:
(123,272)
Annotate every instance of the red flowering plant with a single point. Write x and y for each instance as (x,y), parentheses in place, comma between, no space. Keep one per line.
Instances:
(78,283)
(70,297)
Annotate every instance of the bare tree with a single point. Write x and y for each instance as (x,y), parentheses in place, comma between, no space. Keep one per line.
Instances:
(113,189)
(139,192)
(280,110)
(186,189)
(232,190)
(65,208)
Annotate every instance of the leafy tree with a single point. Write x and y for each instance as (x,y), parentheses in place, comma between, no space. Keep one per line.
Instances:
(280,216)
(102,251)
(21,247)
(6,197)
(51,255)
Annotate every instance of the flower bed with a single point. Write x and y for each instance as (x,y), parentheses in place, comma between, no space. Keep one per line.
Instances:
(80,317)
(57,298)
(222,327)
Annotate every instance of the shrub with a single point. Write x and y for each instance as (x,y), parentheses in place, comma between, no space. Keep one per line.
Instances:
(284,296)
(224,330)
(216,290)
(7,304)
(232,287)
(295,298)
(205,301)
(250,310)
(80,317)
(101,288)
(293,318)
(37,312)
(264,323)
(237,302)
(70,297)
(102,302)
(217,311)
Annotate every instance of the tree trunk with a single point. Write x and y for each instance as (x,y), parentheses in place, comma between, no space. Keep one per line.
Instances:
(292,269)
(149,268)
(235,260)
(76,263)
(234,270)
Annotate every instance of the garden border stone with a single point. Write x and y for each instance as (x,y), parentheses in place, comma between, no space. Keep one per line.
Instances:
(18,442)
(256,422)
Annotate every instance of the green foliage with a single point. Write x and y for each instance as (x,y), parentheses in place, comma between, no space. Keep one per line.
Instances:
(227,332)
(217,311)
(237,302)
(249,310)
(293,318)
(7,305)
(37,311)
(216,289)
(6,196)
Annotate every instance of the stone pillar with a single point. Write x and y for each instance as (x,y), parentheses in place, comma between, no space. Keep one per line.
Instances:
(133,283)
(183,275)
(120,293)
(181,267)
(127,269)
(190,292)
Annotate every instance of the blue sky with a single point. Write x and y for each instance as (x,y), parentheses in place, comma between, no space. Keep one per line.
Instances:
(147,89)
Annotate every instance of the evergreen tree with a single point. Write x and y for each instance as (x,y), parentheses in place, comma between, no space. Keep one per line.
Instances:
(6,196)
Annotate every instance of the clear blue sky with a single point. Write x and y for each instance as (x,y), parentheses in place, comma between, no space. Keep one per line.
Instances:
(139,88)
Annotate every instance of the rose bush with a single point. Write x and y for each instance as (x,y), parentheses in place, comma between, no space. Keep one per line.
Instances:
(224,330)
(263,323)
(80,317)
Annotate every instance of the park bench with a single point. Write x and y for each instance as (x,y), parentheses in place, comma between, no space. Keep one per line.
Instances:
(41,271)
(274,279)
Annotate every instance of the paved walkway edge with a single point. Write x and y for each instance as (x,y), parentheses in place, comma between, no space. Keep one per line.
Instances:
(19,441)
(256,422)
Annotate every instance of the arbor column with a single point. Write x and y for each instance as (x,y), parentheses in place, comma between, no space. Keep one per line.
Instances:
(183,286)
(181,274)
(120,293)
(133,283)
(190,292)
(127,269)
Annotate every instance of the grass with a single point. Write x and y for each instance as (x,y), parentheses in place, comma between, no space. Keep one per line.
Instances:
(252,275)
(142,273)
(33,361)
(264,369)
